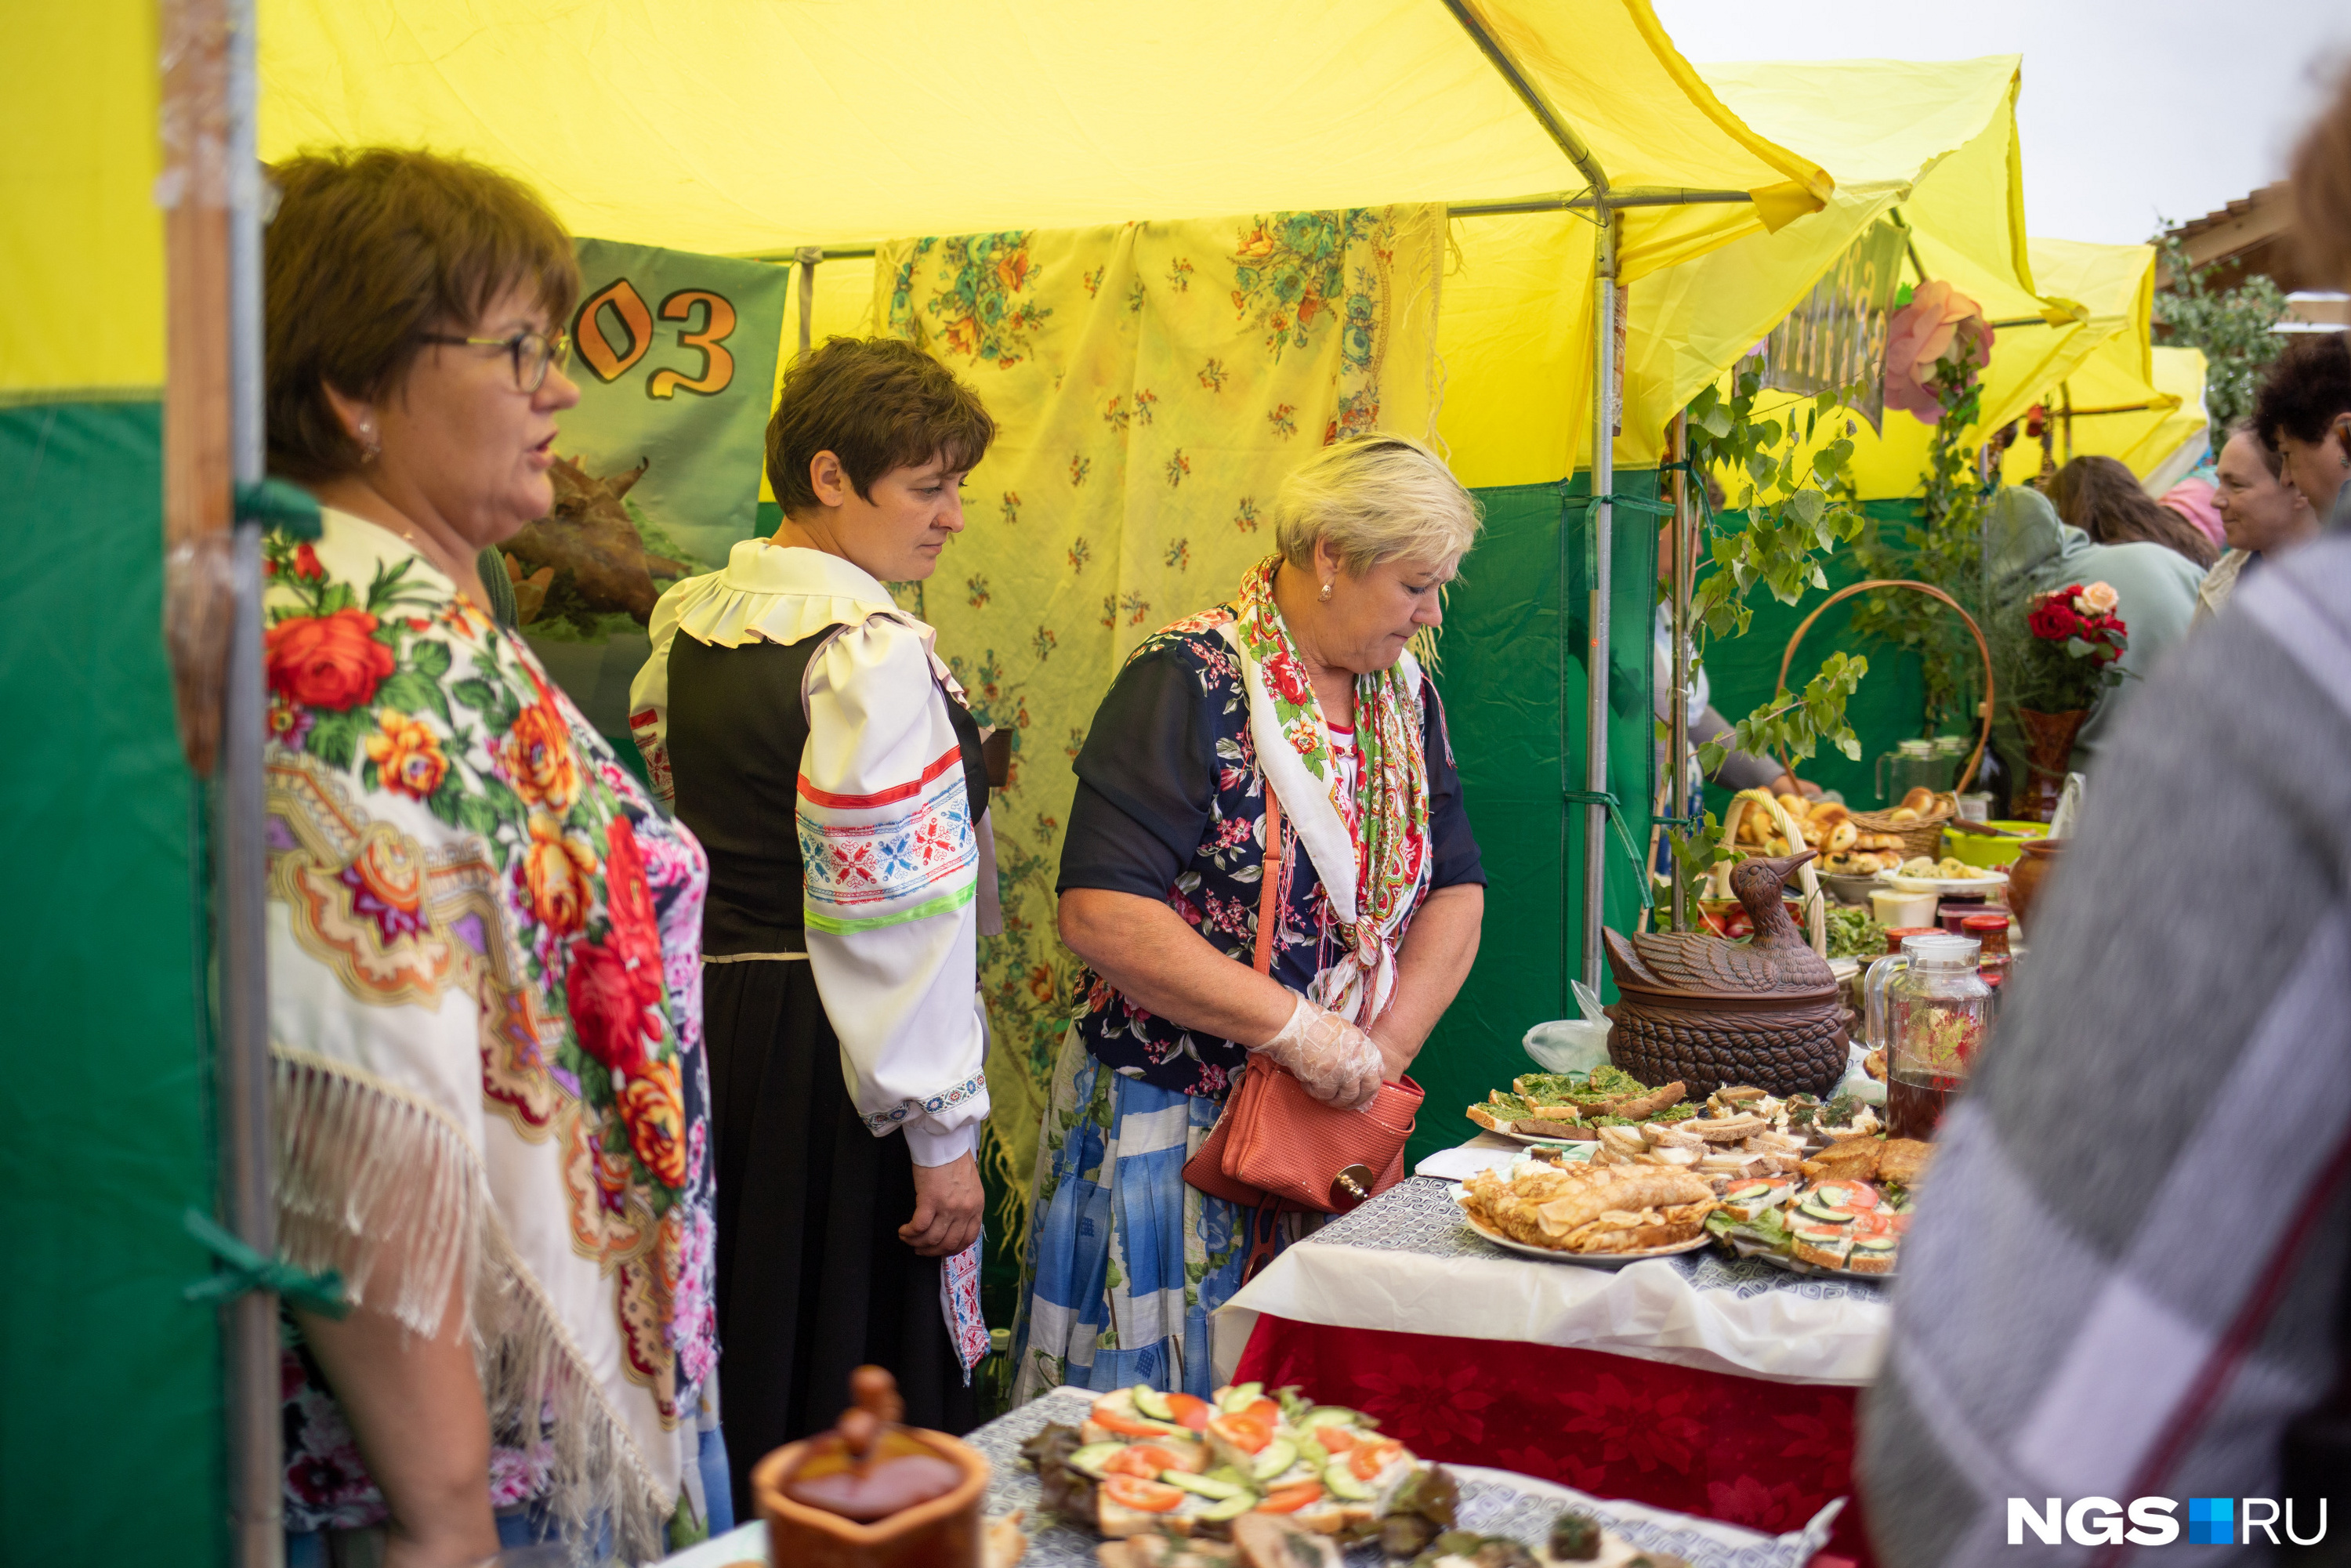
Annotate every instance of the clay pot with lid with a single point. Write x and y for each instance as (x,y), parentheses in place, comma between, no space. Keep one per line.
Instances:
(871,1493)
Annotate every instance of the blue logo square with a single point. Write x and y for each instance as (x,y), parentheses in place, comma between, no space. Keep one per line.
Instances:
(2211,1521)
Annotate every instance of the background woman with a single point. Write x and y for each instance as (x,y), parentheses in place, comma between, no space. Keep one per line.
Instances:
(817,745)
(2102,498)
(484,940)
(1302,683)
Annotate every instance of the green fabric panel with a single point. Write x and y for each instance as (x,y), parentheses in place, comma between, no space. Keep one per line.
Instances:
(109,1383)
(1890,702)
(1512,675)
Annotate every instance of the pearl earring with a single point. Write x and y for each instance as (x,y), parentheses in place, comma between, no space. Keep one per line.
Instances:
(368,444)
(1326,594)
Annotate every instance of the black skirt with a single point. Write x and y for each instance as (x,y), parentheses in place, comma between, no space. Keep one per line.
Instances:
(812,1279)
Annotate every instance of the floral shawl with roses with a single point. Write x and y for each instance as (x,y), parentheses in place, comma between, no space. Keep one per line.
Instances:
(1171,805)
(486,1026)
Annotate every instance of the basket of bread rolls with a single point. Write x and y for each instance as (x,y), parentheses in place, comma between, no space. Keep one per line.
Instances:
(1916,825)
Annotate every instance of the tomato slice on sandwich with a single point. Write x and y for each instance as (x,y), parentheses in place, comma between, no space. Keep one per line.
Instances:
(1141,1495)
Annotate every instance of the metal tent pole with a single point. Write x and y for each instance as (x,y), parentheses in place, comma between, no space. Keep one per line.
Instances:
(1678,743)
(1601,522)
(251,1319)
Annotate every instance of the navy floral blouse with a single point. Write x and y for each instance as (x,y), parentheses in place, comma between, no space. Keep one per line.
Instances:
(1170,806)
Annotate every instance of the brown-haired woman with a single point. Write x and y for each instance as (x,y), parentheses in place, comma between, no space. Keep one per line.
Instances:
(485,1020)
(813,740)
(2102,498)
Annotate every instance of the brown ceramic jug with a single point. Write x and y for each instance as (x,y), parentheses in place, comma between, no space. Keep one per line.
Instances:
(871,1493)
(2038,859)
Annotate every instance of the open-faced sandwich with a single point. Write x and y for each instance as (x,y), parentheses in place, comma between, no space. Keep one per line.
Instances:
(1849,1214)
(1576,1105)
(1162,1469)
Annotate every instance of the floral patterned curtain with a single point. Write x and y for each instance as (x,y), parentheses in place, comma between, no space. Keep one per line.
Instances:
(1153,383)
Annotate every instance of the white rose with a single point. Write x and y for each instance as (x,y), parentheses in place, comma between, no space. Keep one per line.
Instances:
(2099,599)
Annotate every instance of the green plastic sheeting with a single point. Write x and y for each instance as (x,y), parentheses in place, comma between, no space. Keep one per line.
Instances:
(110,1382)
(1511,669)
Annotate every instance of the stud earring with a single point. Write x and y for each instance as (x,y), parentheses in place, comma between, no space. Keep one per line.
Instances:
(368,444)
(1326,594)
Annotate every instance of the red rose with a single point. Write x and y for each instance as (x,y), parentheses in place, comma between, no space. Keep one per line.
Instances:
(306,565)
(1288,681)
(628,901)
(2054,620)
(608,1007)
(327,661)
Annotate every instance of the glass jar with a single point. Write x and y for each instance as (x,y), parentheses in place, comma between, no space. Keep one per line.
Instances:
(1911,765)
(1929,1009)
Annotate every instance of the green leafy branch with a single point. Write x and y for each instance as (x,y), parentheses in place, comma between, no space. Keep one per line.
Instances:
(1796,505)
(2230,325)
(1944,548)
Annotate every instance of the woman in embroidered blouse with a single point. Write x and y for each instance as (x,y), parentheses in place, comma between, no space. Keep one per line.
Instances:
(484,951)
(815,743)
(1302,683)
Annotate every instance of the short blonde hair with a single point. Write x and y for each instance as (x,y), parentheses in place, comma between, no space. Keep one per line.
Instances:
(1375,499)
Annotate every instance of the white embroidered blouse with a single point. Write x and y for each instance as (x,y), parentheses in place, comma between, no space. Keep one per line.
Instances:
(892,858)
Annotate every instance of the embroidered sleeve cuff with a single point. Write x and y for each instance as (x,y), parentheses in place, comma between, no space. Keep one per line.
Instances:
(936,1148)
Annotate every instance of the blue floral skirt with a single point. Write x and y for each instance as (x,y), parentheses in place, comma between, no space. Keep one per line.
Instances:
(1124,1261)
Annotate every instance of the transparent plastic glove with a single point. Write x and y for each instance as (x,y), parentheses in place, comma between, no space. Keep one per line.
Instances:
(1336,1062)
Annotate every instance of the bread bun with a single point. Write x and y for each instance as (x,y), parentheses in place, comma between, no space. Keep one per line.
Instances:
(1795,805)
(1829,811)
(1903,814)
(1920,801)
(1841,836)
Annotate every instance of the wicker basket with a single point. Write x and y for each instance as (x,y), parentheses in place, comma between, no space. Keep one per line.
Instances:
(1921,836)
(1924,836)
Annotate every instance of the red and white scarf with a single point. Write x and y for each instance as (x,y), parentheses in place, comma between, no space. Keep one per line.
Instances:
(1374,874)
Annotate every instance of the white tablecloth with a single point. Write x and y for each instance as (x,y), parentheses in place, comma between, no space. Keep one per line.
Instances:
(1406,1263)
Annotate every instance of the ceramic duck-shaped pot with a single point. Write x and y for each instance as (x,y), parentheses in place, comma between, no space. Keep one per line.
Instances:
(1711,1013)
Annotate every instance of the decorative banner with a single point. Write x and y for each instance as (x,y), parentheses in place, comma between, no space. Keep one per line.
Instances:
(1837,336)
(659,468)
(1152,385)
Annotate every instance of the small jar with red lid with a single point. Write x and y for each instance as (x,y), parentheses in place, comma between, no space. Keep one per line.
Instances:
(1990,930)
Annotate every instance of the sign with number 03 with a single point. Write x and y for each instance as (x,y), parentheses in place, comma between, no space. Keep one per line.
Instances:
(674,355)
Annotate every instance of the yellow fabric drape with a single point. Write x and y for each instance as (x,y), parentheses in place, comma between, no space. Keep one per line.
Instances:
(1152,383)
(82,247)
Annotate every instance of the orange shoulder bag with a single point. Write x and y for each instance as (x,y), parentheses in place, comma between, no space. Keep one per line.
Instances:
(1278,1147)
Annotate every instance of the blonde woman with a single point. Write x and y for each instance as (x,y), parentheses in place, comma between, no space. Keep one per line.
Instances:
(1299,683)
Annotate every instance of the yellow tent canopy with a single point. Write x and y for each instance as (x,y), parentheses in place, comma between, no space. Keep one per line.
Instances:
(734,129)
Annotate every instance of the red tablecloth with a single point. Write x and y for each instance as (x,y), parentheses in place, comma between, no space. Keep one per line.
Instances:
(1764,1454)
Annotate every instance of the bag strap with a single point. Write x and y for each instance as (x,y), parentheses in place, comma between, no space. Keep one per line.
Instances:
(1269,892)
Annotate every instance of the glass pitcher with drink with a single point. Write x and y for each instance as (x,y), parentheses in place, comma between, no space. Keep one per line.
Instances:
(1929,1009)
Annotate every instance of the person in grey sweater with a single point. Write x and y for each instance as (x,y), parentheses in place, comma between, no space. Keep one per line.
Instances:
(2032,551)
(2126,1273)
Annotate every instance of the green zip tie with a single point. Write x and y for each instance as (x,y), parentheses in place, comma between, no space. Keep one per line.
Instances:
(1623,835)
(275,503)
(245,1270)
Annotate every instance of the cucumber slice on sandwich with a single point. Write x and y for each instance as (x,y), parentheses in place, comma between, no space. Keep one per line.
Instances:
(1204,1485)
(1149,1401)
(1277,1456)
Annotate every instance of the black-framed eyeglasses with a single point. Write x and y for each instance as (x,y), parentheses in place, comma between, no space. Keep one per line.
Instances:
(534,353)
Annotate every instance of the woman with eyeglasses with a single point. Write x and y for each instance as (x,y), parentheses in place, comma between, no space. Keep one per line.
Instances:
(485,940)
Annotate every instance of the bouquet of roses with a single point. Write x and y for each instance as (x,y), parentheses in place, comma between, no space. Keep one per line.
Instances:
(2075,653)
